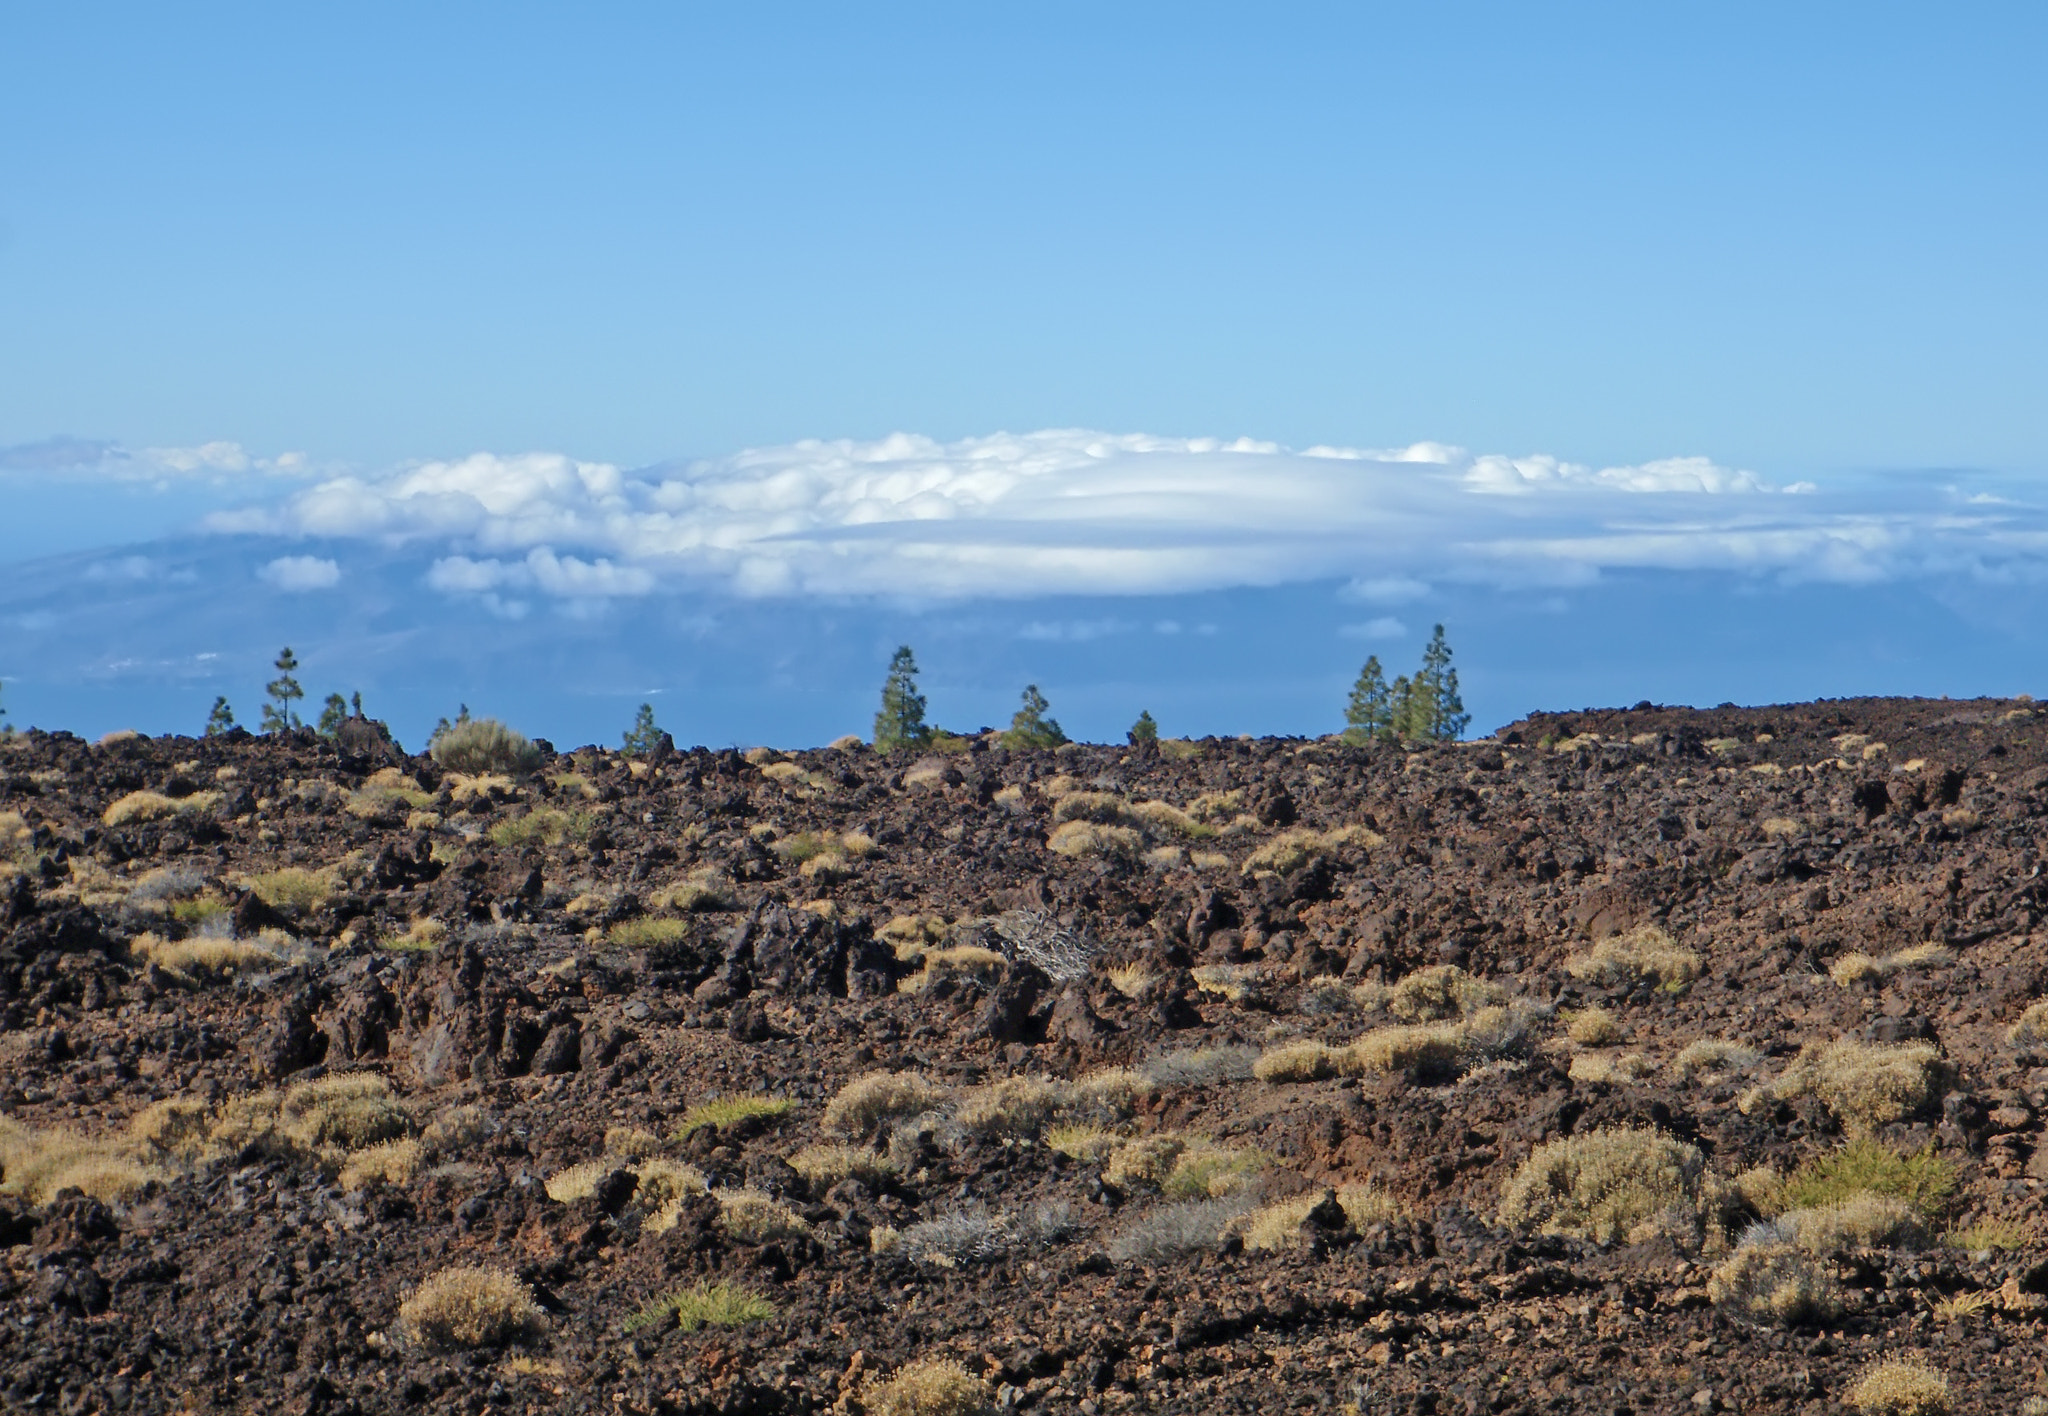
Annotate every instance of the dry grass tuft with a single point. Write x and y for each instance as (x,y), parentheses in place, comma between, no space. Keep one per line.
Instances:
(154,806)
(389,1163)
(754,1218)
(1091,1145)
(871,1102)
(1290,850)
(826,1166)
(1990,1236)
(1866,1220)
(1603,1183)
(209,956)
(1900,1389)
(1602,1067)
(484,745)
(1866,1084)
(1079,839)
(38,1164)
(1278,1225)
(2031,1028)
(1850,969)
(1302,1061)
(1593,1027)
(1712,1054)
(469,1307)
(1774,1283)
(932,1387)
(1419,1049)
(294,887)
(1441,991)
(1644,955)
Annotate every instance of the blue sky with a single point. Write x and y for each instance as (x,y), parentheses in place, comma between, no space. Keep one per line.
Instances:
(548,357)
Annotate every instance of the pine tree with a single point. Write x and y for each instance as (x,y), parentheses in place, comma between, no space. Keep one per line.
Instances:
(442,725)
(333,713)
(1438,713)
(1370,714)
(278,714)
(1144,730)
(901,723)
(643,735)
(6,728)
(1029,727)
(221,719)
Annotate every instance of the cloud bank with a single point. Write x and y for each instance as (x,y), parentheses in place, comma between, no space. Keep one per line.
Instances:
(1077,512)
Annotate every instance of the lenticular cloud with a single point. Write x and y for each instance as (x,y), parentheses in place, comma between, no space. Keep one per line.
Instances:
(1081,512)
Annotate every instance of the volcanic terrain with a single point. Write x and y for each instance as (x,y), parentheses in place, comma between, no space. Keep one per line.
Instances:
(1626,1061)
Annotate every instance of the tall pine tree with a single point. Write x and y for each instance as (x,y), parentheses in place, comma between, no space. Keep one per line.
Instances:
(1438,713)
(901,723)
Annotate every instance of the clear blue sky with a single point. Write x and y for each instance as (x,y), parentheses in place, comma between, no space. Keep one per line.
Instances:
(1800,241)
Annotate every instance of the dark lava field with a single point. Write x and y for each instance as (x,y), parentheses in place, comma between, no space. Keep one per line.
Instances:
(1631,1061)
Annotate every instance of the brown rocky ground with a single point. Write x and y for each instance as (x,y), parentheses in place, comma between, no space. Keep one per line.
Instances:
(604,945)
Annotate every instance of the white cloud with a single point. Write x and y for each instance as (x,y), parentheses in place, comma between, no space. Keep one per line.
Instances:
(1074,631)
(1385,627)
(1077,512)
(296,574)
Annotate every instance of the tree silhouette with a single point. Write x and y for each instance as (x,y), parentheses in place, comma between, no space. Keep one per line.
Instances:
(900,723)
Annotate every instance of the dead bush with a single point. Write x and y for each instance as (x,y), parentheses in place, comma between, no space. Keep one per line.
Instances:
(469,1307)
(1863,1221)
(826,1166)
(2031,1028)
(1711,1054)
(389,1163)
(1593,1027)
(1080,839)
(1603,1183)
(1170,1231)
(754,1218)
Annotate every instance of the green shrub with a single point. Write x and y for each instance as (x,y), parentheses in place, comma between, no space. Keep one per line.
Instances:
(1923,1179)
(724,1111)
(703,1305)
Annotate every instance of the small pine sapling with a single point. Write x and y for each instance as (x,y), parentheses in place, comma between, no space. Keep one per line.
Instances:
(1029,727)
(1144,730)
(1436,712)
(1369,716)
(333,713)
(443,725)
(221,719)
(278,714)
(640,739)
(900,723)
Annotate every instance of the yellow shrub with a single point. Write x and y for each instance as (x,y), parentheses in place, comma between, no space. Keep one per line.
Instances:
(1774,1283)
(933,1387)
(1708,1054)
(1303,1061)
(1278,1225)
(1085,838)
(873,1100)
(754,1218)
(391,1163)
(469,1307)
(154,806)
(1865,1084)
(1593,1027)
(1438,992)
(1090,1145)
(1144,1163)
(1421,1048)
(1900,1389)
(1603,1183)
(826,1166)
(1646,954)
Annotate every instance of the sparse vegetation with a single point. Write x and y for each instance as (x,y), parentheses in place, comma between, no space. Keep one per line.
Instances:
(870,1103)
(1279,1225)
(1593,1027)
